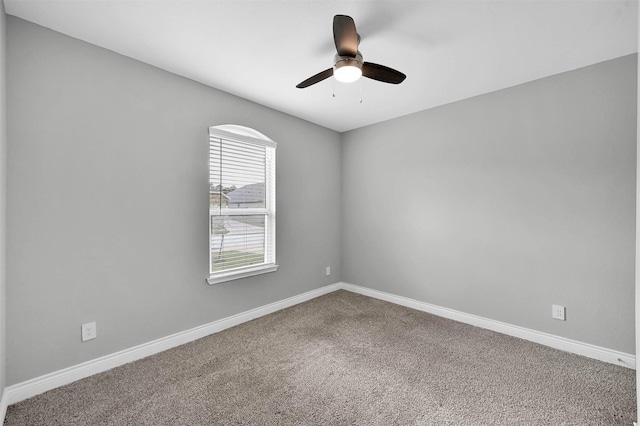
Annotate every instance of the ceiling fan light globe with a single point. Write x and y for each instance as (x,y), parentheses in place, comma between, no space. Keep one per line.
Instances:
(347,69)
(347,74)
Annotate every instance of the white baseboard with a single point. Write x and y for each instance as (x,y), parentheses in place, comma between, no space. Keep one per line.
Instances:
(38,385)
(557,342)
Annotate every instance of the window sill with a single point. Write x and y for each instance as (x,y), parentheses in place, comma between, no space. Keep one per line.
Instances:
(241,273)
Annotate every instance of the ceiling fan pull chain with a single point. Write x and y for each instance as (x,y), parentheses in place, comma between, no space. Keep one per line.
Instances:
(360,91)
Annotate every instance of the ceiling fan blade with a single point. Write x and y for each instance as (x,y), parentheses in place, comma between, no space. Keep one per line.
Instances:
(345,36)
(382,73)
(316,78)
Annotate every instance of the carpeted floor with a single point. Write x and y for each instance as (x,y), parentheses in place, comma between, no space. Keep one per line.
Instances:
(345,359)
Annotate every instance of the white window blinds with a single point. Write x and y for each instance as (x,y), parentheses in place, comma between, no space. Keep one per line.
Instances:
(241,203)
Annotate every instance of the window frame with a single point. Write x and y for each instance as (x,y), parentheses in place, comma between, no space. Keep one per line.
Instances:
(245,135)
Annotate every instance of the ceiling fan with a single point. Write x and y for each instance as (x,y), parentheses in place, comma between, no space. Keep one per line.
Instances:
(348,63)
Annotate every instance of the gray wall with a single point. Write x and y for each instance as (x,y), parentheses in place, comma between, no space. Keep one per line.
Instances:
(504,204)
(108,201)
(3,194)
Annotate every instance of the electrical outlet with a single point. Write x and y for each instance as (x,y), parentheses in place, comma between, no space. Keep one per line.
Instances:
(89,331)
(558,312)
(328,271)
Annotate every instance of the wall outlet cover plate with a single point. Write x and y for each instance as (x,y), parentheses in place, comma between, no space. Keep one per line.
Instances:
(558,312)
(89,331)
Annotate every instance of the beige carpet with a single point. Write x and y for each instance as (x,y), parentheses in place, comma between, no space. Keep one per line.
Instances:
(346,359)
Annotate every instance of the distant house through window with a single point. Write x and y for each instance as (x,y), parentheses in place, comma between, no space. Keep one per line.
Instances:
(241,203)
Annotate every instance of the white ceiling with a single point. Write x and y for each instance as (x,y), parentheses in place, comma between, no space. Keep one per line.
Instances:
(259,50)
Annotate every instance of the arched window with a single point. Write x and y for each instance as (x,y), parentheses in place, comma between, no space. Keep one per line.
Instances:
(242,203)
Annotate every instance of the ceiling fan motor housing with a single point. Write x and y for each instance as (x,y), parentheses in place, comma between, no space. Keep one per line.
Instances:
(348,61)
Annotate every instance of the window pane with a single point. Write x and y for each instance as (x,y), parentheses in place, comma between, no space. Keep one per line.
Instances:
(237,175)
(237,241)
